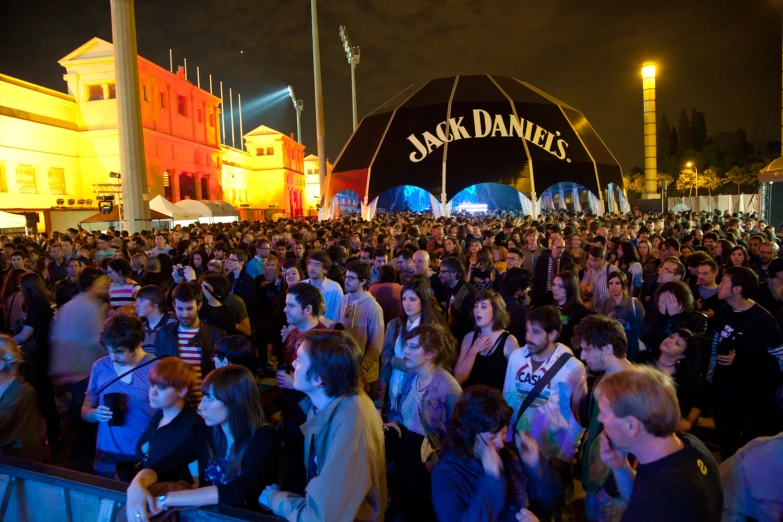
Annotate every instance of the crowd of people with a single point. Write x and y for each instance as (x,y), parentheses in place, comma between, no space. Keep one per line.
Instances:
(477,368)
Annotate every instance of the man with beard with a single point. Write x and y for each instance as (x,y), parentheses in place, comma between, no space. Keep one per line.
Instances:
(766,253)
(550,419)
(362,316)
(677,478)
(189,339)
(604,347)
(459,303)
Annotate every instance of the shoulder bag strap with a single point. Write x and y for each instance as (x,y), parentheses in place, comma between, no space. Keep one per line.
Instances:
(142,365)
(536,391)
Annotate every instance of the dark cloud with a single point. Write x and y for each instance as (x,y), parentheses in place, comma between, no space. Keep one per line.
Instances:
(720,56)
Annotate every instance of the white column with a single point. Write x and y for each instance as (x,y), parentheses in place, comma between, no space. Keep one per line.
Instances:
(131,136)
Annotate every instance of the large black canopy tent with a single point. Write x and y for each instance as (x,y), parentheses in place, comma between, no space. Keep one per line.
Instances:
(450,133)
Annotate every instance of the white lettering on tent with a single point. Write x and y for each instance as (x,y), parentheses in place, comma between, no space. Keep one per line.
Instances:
(486,125)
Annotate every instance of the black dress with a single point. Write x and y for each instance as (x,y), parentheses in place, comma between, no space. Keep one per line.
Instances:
(571,318)
(489,370)
(159,440)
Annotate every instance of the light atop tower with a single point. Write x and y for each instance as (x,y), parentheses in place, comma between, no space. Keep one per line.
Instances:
(648,70)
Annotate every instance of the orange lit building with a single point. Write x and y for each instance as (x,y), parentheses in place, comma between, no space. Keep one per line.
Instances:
(55,148)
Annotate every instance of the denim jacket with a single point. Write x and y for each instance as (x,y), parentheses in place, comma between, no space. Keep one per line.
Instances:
(437,403)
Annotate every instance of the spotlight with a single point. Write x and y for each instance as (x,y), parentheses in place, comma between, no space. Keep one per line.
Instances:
(71,202)
(81,202)
(89,202)
(61,202)
(115,175)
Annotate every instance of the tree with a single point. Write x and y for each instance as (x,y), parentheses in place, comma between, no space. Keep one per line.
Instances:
(668,178)
(663,137)
(698,130)
(738,176)
(674,142)
(634,183)
(710,180)
(684,131)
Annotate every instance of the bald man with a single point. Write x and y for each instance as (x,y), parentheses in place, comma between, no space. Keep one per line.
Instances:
(421,266)
(549,264)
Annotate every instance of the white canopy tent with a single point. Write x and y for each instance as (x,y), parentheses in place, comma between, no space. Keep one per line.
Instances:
(209,211)
(179,215)
(12,221)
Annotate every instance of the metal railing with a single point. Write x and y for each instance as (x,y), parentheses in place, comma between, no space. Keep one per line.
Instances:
(32,492)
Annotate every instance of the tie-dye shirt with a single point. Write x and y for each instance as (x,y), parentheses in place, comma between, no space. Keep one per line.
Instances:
(549,419)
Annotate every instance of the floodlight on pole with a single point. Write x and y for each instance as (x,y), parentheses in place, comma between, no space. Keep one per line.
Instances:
(353,54)
(298,105)
(692,165)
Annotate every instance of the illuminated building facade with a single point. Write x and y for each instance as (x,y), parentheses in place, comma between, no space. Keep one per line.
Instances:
(312,183)
(55,147)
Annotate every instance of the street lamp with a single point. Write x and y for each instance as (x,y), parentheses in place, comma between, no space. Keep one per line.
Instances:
(691,165)
(298,105)
(353,55)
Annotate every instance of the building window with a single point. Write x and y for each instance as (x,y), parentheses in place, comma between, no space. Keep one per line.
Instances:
(211,119)
(25,179)
(200,115)
(57,180)
(112,91)
(146,92)
(163,100)
(166,179)
(3,181)
(181,105)
(270,151)
(309,171)
(260,151)
(95,92)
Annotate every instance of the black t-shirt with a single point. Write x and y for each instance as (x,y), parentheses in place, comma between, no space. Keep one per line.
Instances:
(682,487)
(755,373)
(39,315)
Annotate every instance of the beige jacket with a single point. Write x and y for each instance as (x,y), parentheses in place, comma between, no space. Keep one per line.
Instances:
(349,453)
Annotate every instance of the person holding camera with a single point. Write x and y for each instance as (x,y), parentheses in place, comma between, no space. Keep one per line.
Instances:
(117,395)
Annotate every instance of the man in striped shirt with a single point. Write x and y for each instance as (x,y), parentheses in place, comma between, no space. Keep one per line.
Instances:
(189,339)
(122,291)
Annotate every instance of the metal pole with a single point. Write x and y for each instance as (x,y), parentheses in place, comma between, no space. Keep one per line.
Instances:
(696,181)
(222,112)
(231,106)
(133,167)
(299,121)
(171,61)
(210,84)
(319,104)
(186,68)
(241,134)
(198,77)
(353,94)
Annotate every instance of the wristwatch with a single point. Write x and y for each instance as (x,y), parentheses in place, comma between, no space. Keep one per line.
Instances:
(163,502)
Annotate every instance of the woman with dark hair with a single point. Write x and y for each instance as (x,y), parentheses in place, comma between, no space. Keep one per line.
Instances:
(415,428)
(477,477)
(738,256)
(41,268)
(417,309)
(236,450)
(387,291)
(722,249)
(452,248)
(629,263)
(171,380)
(674,310)
(474,245)
(235,349)
(678,356)
(484,354)
(647,259)
(20,425)
(567,298)
(198,260)
(32,337)
(482,273)
(625,309)
(12,298)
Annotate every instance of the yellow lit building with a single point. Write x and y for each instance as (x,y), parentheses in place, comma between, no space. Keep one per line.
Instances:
(57,150)
(313,184)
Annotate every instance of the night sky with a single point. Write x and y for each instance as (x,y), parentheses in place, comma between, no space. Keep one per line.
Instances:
(721,56)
